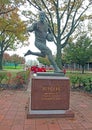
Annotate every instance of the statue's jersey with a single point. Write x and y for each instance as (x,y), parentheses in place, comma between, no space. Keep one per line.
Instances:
(41,30)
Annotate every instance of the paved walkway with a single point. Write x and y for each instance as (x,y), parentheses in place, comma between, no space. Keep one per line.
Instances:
(13,113)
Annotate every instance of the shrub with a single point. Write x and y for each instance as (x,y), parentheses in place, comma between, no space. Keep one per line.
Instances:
(83,81)
(2,76)
(24,75)
(14,80)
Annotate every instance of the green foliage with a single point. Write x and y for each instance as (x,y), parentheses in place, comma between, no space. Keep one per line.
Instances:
(79,52)
(14,79)
(2,75)
(4,1)
(44,61)
(12,32)
(22,76)
(81,81)
(7,6)
(13,62)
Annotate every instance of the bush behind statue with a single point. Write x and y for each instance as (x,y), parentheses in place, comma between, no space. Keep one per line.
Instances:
(81,82)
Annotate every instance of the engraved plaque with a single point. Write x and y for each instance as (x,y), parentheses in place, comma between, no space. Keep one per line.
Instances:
(50,93)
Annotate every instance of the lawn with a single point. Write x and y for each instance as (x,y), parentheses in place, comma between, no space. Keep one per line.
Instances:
(19,67)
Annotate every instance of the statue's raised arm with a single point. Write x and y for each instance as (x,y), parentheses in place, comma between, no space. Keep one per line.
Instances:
(32,27)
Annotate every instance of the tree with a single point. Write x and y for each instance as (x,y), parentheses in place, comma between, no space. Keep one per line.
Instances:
(90,26)
(31,62)
(16,59)
(12,33)
(44,61)
(6,58)
(79,52)
(63,16)
(7,6)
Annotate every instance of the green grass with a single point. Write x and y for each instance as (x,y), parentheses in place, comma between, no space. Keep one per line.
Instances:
(12,67)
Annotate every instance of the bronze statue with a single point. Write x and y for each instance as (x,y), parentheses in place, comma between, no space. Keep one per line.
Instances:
(42,33)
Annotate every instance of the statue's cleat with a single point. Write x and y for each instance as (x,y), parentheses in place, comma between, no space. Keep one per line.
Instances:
(28,53)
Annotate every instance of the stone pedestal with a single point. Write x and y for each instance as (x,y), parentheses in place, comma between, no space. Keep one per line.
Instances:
(50,97)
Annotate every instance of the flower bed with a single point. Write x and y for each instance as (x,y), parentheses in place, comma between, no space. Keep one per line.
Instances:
(12,80)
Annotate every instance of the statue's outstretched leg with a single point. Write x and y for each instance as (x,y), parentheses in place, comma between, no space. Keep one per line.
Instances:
(56,68)
(29,52)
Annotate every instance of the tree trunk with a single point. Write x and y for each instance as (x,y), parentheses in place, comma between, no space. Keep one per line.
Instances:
(58,56)
(82,69)
(1,59)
